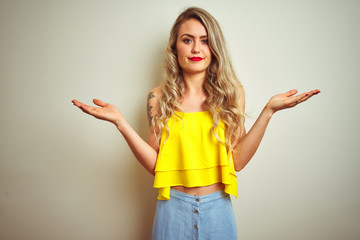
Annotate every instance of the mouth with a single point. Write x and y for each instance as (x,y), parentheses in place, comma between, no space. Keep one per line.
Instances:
(196,59)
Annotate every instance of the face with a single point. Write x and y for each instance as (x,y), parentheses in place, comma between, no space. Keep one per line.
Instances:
(193,52)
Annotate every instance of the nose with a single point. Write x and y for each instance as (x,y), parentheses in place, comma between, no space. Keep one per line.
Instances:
(195,47)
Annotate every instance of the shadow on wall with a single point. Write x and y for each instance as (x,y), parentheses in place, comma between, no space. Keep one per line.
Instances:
(143,194)
(145,201)
(142,181)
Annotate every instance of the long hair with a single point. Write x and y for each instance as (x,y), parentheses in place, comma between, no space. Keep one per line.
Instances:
(221,85)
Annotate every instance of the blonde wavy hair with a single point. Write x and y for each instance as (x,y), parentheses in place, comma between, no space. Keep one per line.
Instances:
(221,86)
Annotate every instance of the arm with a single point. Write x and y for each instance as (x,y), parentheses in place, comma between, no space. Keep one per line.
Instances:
(143,151)
(153,108)
(250,142)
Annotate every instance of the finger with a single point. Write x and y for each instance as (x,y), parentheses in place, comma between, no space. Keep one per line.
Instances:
(312,93)
(316,91)
(77,103)
(87,109)
(83,107)
(305,96)
(99,102)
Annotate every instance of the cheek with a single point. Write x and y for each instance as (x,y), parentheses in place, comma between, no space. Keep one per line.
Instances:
(208,52)
(181,56)
(180,50)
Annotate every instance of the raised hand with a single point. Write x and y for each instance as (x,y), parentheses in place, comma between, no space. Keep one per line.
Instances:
(251,141)
(289,99)
(105,111)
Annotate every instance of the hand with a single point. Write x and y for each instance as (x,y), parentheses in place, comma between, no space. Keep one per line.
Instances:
(289,99)
(105,111)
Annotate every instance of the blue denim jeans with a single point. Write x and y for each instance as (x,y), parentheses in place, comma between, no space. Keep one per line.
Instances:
(188,217)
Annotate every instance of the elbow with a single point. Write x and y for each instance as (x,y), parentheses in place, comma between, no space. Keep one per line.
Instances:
(240,162)
(152,171)
(238,169)
(240,165)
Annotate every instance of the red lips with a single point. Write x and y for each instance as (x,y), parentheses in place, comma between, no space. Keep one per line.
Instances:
(196,59)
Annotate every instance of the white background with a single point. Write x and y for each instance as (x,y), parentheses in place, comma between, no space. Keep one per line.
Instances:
(66,176)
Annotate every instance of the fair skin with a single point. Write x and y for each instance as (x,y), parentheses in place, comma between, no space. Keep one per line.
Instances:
(192,42)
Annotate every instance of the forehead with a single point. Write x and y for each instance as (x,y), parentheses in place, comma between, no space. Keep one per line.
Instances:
(192,26)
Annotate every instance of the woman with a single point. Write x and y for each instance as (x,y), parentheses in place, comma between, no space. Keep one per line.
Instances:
(197,138)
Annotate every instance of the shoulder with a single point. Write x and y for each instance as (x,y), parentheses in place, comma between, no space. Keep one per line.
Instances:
(240,88)
(156,92)
(154,96)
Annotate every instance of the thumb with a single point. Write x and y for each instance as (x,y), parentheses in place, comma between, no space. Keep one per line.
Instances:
(99,102)
(291,92)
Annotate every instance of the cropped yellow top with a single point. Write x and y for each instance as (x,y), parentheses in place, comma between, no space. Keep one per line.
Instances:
(191,156)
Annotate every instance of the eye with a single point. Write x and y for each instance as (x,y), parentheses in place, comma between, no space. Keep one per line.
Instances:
(187,40)
(205,41)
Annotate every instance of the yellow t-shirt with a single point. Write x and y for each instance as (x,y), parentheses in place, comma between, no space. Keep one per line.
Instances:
(192,157)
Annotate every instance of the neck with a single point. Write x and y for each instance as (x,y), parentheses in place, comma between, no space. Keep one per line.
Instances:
(194,97)
(194,82)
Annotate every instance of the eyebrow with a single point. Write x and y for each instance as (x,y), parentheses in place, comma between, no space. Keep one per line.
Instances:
(191,36)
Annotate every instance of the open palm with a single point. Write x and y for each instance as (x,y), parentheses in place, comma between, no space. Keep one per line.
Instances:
(105,111)
(289,99)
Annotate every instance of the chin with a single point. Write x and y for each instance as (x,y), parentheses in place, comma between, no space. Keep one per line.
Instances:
(194,71)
